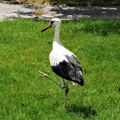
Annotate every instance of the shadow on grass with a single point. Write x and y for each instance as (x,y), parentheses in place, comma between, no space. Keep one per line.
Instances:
(102,28)
(88,12)
(96,26)
(87,111)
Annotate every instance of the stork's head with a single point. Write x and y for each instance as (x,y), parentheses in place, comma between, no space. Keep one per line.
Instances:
(53,23)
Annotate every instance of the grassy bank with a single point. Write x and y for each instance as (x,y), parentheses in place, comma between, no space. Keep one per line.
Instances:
(24,51)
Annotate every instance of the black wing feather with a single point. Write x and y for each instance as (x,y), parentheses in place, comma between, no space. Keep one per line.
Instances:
(70,70)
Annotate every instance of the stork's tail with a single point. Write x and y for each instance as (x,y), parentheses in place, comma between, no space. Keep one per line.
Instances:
(80,82)
(75,84)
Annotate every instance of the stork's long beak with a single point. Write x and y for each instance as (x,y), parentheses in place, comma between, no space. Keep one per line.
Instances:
(47,27)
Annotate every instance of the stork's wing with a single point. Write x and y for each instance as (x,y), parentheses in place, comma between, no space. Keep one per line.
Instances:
(76,70)
(74,61)
(70,70)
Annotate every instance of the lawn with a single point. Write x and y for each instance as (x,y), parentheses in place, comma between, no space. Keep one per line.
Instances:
(24,50)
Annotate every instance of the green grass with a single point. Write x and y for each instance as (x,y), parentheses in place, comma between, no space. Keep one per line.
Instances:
(24,51)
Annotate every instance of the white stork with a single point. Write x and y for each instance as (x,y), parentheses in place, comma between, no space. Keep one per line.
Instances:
(63,62)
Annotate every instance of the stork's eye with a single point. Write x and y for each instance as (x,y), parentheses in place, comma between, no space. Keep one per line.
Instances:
(51,22)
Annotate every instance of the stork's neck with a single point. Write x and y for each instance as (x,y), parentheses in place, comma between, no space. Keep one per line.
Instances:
(56,35)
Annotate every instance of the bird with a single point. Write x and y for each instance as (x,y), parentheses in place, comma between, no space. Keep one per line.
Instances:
(64,62)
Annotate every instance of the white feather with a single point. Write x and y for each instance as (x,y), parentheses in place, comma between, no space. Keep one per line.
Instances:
(75,84)
(58,54)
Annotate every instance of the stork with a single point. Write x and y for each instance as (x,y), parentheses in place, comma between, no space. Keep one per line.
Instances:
(63,62)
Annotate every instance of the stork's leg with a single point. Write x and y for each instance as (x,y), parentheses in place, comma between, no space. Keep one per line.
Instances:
(63,85)
(66,89)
